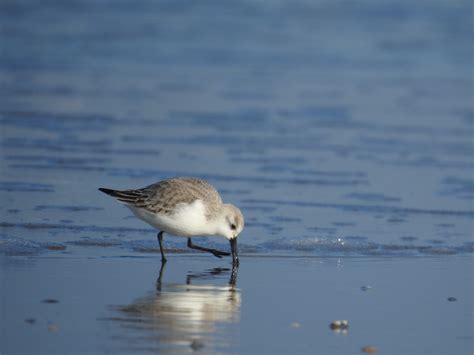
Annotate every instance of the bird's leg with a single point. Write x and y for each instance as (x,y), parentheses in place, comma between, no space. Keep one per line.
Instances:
(216,253)
(162,250)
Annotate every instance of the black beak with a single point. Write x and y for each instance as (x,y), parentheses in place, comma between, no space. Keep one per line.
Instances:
(233,248)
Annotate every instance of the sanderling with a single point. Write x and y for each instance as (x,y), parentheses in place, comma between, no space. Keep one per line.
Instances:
(187,207)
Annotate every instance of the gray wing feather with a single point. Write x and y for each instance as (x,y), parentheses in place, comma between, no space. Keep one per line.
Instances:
(164,196)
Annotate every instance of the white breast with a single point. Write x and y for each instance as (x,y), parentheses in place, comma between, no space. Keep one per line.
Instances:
(187,220)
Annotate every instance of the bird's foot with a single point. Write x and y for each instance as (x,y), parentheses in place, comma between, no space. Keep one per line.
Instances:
(218,253)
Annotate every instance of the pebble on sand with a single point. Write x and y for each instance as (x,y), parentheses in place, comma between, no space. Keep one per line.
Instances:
(196,345)
(50,300)
(369,349)
(53,328)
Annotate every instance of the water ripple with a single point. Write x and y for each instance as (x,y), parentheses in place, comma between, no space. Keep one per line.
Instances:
(364,208)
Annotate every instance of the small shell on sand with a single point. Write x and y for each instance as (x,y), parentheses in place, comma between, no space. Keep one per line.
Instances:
(369,349)
(339,324)
(295,325)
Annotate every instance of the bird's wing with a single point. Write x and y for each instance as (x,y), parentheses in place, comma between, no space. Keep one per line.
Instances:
(164,196)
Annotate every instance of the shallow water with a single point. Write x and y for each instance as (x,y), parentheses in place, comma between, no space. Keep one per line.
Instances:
(340,129)
(272,305)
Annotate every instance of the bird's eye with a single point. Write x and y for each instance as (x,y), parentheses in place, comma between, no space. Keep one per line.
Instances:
(233,226)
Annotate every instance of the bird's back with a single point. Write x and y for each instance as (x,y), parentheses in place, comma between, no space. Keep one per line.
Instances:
(164,196)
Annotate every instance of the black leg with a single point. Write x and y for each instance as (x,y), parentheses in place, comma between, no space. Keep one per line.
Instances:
(162,250)
(216,253)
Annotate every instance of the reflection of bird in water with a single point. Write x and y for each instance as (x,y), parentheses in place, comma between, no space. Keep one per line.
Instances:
(180,316)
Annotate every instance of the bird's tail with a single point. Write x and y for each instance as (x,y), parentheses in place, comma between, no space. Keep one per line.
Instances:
(123,196)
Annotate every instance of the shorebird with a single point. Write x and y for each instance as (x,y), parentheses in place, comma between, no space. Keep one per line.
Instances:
(187,207)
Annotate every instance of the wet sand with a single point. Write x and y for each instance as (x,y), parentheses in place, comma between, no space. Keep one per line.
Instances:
(111,303)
